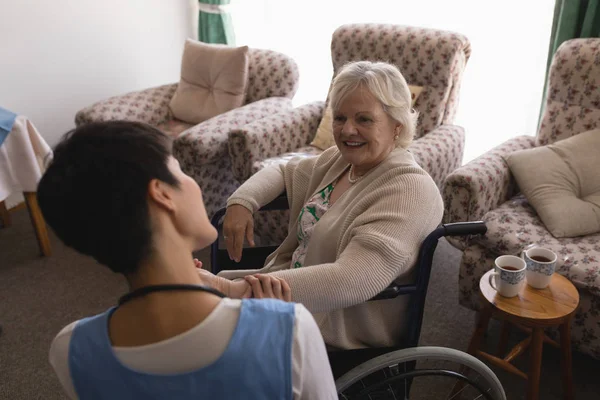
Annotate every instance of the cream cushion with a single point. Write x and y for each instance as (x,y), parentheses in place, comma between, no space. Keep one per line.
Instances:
(213,81)
(324,136)
(562,182)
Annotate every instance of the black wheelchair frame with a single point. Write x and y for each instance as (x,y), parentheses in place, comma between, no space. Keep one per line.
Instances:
(344,360)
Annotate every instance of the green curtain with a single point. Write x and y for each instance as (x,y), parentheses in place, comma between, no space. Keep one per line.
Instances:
(572,19)
(214,25)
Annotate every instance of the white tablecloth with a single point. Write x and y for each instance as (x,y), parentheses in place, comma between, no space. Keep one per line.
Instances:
(23,157)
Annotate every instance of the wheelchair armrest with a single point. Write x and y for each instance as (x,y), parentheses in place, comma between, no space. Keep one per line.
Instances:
(393,291)
(252,256)
(389,292)
(280,203)
(426,256)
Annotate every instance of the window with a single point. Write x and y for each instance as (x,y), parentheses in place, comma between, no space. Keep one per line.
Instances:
(503,82)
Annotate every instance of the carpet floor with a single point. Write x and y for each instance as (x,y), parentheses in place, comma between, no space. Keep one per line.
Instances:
(39,296)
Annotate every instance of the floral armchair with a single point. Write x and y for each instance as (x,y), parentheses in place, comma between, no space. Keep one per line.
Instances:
(202,149)
(429,58)
(484,189)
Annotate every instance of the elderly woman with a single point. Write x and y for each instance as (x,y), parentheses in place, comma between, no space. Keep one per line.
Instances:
(359,211)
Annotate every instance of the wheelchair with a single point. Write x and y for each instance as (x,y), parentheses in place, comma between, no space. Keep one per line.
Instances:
(404,371)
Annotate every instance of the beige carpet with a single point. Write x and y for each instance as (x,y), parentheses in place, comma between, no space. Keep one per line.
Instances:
(38,296)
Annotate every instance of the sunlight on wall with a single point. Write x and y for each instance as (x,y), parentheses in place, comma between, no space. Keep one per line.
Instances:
(502,85)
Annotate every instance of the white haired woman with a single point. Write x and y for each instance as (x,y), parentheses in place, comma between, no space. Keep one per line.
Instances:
(359,212)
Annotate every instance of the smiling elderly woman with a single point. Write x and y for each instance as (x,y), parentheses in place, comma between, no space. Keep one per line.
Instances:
(359,212)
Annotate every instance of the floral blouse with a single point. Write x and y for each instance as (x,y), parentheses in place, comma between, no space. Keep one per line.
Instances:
(310,214)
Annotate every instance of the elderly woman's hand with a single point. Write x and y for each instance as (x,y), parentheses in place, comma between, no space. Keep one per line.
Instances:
(238,289)
(238,223)
(269,287)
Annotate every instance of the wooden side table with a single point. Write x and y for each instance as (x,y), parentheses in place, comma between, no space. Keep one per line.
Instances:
(37,220)
(532,310)
(23,158)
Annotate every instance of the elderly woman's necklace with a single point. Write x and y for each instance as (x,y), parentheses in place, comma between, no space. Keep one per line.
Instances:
(350,178)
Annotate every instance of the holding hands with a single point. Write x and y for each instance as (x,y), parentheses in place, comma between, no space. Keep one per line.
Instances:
(258,286)
(233,289)
(269,287)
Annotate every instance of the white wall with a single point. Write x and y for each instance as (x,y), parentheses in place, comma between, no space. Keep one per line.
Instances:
(59,56)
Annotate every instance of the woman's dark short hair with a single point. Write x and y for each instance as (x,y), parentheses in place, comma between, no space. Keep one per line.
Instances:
(94,193)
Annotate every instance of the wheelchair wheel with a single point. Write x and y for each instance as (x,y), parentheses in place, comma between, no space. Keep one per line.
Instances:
(421,373)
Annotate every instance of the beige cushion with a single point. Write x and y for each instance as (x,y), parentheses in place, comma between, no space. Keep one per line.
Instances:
(213,81)
(324,136)
(173,127)
(562,183)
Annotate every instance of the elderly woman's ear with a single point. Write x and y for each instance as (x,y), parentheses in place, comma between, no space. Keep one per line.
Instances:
(397,131)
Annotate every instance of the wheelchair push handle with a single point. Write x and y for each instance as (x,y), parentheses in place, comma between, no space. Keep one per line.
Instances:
(465,228)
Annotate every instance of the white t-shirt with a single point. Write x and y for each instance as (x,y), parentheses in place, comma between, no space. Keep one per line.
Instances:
(311,373)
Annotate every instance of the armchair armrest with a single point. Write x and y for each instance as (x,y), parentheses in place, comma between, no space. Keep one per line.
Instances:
(207,141)
(440,151)
(272,136)
(150,106)
(483,184)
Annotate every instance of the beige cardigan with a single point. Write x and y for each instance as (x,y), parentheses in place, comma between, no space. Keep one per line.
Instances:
(368,238)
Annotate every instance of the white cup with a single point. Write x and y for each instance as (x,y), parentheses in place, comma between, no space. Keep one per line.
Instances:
(541,264)
(508,275)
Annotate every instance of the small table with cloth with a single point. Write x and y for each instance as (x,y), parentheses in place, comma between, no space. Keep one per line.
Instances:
(23,155)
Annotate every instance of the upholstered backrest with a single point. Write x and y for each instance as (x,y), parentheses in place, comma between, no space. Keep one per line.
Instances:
(573,95)
(270,74)
(430,58)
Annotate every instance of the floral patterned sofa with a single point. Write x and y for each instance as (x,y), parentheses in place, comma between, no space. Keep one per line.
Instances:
(430,58)
(484,189)
(202,149)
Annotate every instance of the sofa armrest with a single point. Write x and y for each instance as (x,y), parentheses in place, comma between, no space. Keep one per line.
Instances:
(440,151)
(483,184)
(150,106)
(268,137)
(206,142)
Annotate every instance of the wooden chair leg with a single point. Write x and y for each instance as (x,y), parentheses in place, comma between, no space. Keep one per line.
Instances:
(503,339)
(535,364)
(482,324)
(4,215)
(38,223)
(565,346)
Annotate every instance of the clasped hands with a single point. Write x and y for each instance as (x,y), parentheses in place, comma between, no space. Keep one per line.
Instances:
(258,286)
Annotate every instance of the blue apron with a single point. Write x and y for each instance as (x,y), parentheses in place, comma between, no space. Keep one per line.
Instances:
(257,363)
